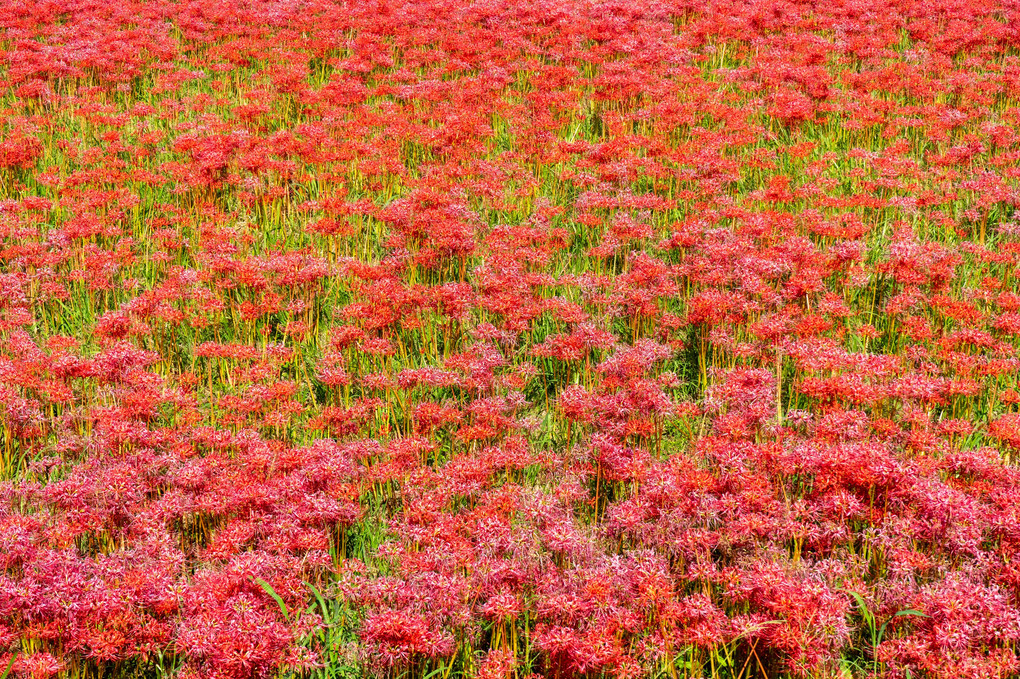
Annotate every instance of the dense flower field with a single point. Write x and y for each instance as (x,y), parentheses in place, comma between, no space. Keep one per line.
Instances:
(548,338)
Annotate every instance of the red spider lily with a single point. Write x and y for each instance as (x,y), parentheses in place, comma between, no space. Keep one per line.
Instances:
(548,339)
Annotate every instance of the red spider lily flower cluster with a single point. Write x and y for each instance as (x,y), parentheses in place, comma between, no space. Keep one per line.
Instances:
(509,340)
